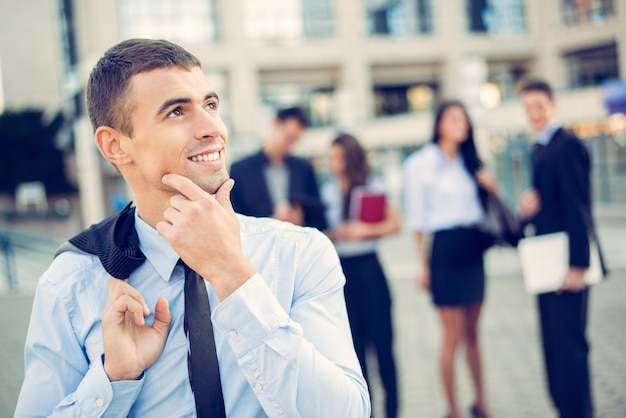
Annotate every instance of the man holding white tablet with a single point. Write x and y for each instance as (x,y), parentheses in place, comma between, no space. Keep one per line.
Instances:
(561,203)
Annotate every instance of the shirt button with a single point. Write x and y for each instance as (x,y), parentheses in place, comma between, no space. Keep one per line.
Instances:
(233,333)
(258,387)
(99,402)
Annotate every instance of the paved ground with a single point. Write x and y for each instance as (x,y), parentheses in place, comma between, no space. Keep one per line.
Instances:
(514,373)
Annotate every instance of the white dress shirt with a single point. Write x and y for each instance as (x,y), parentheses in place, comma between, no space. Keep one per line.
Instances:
(283,338)
(439,192)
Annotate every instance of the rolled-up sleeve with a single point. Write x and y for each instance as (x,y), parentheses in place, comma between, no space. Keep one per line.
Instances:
(414,202)
(299,363)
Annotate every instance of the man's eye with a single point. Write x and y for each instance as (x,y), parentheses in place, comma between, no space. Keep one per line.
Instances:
(174,113)
(212,105)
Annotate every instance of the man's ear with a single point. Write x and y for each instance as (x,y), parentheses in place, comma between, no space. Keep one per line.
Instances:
(109,142)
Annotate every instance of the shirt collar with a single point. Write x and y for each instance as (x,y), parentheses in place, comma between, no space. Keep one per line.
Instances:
(547,133)
(442,158)
(156,248)
(265,159)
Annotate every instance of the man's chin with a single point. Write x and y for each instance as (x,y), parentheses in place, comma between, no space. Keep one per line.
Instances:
(213,184)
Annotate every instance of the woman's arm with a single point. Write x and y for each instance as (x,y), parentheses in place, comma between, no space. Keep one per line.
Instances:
(423,277)
(357,230)
(486,181)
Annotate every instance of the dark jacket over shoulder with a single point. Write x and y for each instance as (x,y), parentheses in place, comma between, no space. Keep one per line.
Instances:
(561,175)
(250,195)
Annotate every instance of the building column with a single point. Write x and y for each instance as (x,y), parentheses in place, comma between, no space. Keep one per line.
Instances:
(242,78)
(621,38)
(1,88)
(451,27)
(244,96)
(354,95)
(90,185)
(94,36)
(229,20)
(550,65)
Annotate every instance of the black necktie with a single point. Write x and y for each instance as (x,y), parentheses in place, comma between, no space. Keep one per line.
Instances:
(115,242)
(204,371)
(536,152)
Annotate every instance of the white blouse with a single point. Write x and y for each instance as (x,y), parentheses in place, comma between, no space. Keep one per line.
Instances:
(439,192)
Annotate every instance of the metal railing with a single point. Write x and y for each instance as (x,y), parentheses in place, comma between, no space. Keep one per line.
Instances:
(23,254)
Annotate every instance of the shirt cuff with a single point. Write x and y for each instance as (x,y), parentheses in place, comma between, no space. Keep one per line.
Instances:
(97,396)
(249,315)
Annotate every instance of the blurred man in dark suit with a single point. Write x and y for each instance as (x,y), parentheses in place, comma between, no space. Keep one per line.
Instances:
(274,183)
(561,201)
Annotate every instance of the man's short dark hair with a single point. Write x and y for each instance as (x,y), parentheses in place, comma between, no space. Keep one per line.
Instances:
(538,85)
(107,93)
(293,113)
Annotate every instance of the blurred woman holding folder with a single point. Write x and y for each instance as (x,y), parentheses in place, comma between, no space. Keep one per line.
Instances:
(357,215)
(442,202)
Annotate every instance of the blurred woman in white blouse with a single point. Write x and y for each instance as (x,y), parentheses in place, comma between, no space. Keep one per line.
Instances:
(443,209)
(368,300)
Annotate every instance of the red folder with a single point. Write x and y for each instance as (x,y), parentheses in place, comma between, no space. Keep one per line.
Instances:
(367,205)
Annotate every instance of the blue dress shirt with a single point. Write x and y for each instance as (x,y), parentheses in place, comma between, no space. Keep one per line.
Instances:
(283,339)
(547,133)
(439,192)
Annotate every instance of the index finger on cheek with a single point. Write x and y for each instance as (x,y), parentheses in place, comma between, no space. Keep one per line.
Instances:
(185,186)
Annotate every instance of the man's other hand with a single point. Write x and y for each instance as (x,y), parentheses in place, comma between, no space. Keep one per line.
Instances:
(574,280)
(131,346)
(529,204)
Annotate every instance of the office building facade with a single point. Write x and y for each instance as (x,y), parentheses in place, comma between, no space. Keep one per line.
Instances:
(372,67)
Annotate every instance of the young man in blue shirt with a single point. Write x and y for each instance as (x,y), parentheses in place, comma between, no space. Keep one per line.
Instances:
(99,346)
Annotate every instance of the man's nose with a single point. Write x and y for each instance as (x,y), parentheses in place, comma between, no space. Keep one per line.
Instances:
(207,125)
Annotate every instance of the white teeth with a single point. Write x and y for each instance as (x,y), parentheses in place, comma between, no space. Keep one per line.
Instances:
(214,156)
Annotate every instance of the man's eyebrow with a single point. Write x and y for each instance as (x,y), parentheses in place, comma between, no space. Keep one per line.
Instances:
(171,102)
(183,100)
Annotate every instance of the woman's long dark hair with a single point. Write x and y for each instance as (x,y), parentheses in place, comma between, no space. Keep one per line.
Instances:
(468,148)
(468,152)
(357,169)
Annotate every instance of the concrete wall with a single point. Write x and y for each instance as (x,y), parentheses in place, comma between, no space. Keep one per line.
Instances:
(30,54)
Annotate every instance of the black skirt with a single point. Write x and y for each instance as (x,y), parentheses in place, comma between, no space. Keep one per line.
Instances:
(457,274)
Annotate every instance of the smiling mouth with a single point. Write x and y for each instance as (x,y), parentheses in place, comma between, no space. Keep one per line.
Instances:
(211,156)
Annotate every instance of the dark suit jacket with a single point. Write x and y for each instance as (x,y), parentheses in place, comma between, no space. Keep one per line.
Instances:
(250,195)
(561,175)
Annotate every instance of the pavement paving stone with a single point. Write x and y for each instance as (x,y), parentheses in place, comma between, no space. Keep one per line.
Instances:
(14,317)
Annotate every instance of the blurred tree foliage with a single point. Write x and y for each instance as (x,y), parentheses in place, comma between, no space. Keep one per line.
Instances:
(28,151)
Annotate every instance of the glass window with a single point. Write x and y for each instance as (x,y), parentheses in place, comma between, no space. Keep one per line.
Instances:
(475,15)
(399,17)
(317,102)
(404,98)
(318,18)
(182,21)
(287,19)
(507,76)
(496,17)
(592,66)
(575,12)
